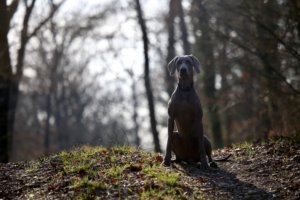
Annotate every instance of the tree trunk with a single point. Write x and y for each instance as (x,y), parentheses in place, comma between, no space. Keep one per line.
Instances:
(205,43)
(183,29)
(224,71)
(25,36)
(147,77)
(267,49)
(295,7)
(5,80)
(171,49)
(14,87)
(134,99)
(135,113)
(47,126)
(175,8)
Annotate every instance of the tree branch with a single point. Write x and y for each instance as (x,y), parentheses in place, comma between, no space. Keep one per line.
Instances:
(43,22)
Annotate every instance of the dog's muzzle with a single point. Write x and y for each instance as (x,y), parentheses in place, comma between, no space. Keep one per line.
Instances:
(183,72)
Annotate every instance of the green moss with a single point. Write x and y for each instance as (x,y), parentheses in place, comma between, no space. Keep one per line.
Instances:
(246,148)
(89,188)
(295,138)
(85,182)
(95,172)
(32,167)
(161,173)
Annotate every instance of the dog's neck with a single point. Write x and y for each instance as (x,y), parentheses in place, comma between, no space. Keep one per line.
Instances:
(186,85)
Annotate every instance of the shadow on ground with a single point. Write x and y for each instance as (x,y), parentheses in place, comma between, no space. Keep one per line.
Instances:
(221,184)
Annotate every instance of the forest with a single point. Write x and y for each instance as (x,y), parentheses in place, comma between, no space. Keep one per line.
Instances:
(80,72)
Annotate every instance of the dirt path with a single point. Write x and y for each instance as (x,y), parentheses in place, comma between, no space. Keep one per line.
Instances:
(268,171)
(265,171)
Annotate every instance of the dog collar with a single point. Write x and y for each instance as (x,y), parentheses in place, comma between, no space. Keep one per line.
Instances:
(185,88)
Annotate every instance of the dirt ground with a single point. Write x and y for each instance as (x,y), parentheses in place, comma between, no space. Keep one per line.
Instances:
(268,170)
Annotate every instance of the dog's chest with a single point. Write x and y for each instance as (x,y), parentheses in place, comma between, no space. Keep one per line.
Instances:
(188,107)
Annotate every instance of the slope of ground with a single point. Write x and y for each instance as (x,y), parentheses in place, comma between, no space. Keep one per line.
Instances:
(269,170)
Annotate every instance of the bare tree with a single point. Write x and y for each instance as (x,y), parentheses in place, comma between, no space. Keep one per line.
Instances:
(175,10)
(5,82)
(12,80)
(295,13)
(147,76)
(171,45)
(183,29)
(134,98)
(205,50)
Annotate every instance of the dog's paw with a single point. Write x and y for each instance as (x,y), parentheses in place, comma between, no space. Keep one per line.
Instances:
(166,162)
(204,166)
(213,165)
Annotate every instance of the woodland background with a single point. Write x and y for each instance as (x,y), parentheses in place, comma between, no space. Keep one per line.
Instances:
(80,72)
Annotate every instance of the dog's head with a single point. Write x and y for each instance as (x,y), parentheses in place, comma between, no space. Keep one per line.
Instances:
(184,66)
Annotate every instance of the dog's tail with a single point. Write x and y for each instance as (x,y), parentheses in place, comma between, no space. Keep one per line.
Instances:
(223,159)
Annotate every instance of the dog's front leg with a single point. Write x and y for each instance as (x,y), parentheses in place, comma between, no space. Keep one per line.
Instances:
(167,159)
(204,164)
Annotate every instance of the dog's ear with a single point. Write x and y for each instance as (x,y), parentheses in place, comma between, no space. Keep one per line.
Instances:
(196,63)
(172,66)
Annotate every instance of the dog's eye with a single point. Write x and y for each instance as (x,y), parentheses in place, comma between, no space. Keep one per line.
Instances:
(179,62)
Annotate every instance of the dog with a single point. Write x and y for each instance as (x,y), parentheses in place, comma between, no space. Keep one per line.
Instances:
(184,109)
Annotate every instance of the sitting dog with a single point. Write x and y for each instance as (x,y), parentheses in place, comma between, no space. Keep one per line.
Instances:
(188,143)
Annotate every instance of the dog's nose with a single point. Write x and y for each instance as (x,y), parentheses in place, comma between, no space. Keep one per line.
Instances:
(183,71)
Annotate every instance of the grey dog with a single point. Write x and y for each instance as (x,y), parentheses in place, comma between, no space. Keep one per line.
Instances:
(184,109)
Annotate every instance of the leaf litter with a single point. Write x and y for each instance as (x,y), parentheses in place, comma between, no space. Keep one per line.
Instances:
(266,170)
